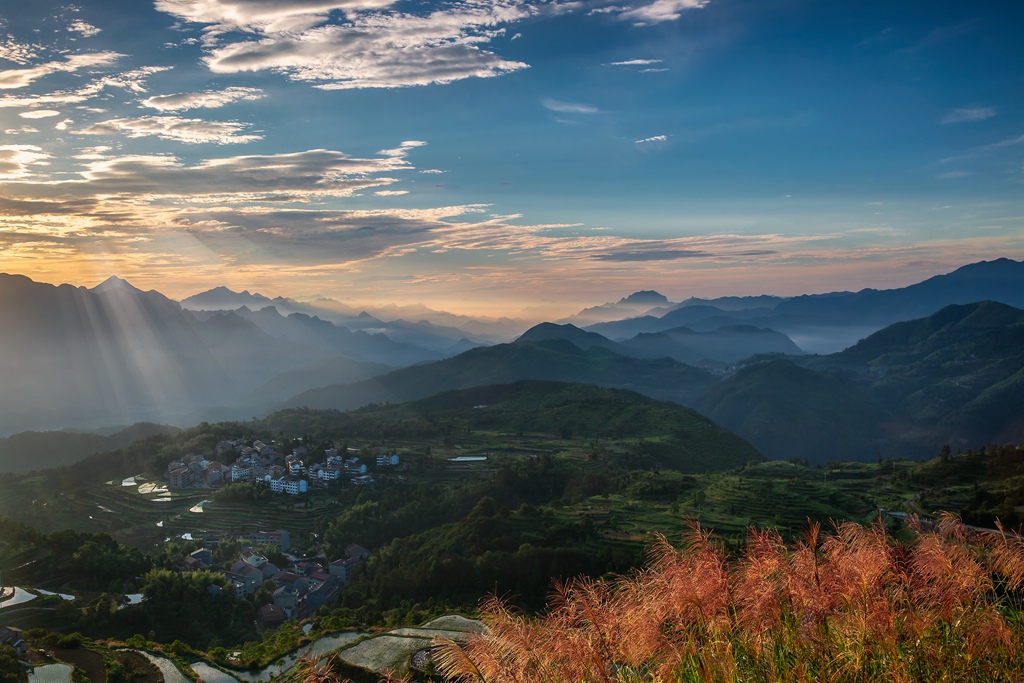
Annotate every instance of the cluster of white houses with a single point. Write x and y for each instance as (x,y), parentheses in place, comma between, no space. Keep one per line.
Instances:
(261,463)
(299,589)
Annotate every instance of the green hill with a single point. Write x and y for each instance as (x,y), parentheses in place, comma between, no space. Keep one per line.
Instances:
(666,434)
(686,440)
(955,333)
(28,451)
(956,377)
(789,411)
(553,359)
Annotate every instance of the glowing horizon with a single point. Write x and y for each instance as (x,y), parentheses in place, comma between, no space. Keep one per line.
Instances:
(539,309)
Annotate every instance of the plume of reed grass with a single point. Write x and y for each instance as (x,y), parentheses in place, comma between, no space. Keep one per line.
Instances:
(850,606)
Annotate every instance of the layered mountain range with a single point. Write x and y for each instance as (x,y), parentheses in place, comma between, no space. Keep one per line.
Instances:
(115,355)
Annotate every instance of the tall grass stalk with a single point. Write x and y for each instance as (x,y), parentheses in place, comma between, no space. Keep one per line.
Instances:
(850,606)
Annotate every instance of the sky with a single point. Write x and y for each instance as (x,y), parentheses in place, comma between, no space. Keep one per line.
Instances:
(509,157)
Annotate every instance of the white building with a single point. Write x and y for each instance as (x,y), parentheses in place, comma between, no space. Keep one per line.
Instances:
(241,472)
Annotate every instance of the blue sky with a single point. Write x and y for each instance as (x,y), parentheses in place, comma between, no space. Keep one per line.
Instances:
(501,155)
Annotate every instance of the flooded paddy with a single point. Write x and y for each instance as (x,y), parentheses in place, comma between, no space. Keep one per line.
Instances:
(50,673)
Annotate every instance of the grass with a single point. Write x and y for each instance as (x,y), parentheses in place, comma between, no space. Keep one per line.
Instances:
(851,607)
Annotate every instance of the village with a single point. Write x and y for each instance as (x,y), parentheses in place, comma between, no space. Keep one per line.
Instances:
(262,464)
(292,591)
(296,590)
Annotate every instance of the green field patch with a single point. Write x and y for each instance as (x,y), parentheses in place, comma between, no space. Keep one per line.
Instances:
(88,661)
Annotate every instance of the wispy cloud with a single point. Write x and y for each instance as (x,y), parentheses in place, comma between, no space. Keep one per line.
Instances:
(608,9)
(635,62)
(569,107)
(83,27)
(1002,144)
(132,81)
(985,150)
(664,255)
(296,176)
(653,138)
(39,114)
(222,16)
(660,11)
(190,131)
(403,149)
(17,52)
(969,115)
(20,78)
(208,99)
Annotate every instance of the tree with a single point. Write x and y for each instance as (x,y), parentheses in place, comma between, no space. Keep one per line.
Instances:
(10,668)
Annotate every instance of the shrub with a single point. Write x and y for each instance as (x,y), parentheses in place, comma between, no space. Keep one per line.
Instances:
(70,641)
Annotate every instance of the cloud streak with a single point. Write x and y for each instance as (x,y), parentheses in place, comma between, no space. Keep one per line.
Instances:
(208,99)
(968,115)
(39,114)
(665,255)
(188,131)
(635,62)
(661,11)
(133,81)
(12,79)
(569,107)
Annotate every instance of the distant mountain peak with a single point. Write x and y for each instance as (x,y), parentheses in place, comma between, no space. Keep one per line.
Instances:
(645,296)
(114,283)
(224,298)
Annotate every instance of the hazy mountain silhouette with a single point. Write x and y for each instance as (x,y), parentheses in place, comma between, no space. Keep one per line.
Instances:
(723,345)
(27,451)
(571,333)
(699,317)
(77,357)
(1000,280)
(727,344)
(826,323)
(635,304)
(552,359)
(955,377)
(413,324)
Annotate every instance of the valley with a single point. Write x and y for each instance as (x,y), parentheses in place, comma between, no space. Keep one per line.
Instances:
(410,480)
